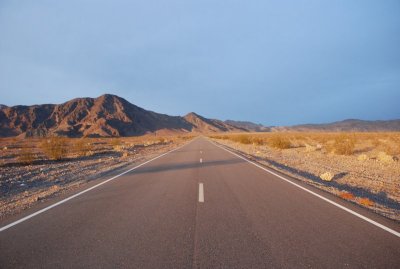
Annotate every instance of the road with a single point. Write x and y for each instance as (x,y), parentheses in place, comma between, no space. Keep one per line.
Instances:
(199,207)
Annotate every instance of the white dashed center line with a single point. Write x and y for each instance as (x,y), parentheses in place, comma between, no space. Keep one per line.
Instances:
(201,193)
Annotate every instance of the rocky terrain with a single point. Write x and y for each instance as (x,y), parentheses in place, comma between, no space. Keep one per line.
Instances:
(365,170)
(28,175)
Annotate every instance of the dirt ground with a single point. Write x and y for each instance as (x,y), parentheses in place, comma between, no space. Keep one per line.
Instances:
(29,173)
(367,174)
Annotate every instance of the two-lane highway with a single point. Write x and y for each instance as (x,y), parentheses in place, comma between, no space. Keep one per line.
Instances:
(200,207)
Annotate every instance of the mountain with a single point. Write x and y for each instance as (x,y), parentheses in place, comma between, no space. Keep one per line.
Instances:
(351,125)
(204,125)
(107,115)
(251,126)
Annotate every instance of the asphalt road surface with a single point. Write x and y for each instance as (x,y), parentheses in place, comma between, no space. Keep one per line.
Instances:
(199,207)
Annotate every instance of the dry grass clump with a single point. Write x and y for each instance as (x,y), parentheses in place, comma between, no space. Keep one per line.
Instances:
(385,158)
(82,147)
(116,143)
(279,142)
(392,148)
(362,157)
(26,156)
(243,139)
(344,145)
(258,141)
(185,137)
(55,148)
(162,140)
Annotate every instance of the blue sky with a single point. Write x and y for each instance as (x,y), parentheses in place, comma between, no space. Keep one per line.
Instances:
(271,62)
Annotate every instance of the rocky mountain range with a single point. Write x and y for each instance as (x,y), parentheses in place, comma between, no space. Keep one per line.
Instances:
(349,125)
(110,115)
(107,115)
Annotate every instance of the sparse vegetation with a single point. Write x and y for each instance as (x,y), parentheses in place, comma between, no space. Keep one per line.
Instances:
(244,139)
(279,142)
(344,144)
(82,147)
(366,161)
(26,156)
(27,184)
(55,148)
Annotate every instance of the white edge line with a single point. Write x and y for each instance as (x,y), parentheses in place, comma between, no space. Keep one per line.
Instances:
(86,190)
(316,194)
(201,193)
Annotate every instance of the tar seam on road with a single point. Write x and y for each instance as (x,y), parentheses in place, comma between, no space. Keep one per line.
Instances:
(201,193)
(315,194)
(86,190)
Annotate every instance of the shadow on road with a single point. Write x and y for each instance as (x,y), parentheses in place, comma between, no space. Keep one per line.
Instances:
(180,166)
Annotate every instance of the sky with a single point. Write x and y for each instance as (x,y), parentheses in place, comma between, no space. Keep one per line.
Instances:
(271,62)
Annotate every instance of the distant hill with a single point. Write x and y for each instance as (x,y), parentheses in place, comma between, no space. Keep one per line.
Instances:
(351,125)
(204,125)
(251,126)
(107,115)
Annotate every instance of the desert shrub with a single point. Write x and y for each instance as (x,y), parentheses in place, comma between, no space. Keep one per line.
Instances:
(55,148)
(279,142)
(26,156)
(385,158)
(116,144)
(362,157)
(344,145)
(258,141)
(392,148)
(244,139)
(375,142)
(186,137)
(82,147)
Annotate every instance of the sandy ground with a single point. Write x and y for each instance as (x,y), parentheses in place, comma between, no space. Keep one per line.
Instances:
(23,185)
(367,181)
